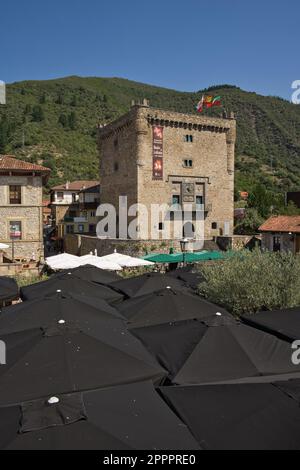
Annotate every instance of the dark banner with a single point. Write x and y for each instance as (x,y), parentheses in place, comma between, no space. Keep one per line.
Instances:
(158,152)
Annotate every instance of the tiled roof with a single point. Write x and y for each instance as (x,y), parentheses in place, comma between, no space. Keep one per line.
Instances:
(9,163)
(282,223)
(92,189)
(75,185)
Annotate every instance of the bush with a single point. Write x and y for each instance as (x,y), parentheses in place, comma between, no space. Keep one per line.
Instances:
(251,281)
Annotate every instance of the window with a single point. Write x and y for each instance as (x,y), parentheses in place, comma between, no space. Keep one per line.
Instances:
(188,163)
(74,197)
(199,200)
(81,228)
(93,214)
(15,194)
(116,166)
(276,243)
(70,228)
(60,195)
(214,225)
(176,199)
(160,226)
(15,230)
(188,138)
(92,228)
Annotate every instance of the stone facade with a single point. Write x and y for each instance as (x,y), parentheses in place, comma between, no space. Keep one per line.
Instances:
(29,213)
(198,165)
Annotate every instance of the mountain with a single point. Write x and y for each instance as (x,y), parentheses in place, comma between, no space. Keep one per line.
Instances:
(53,122)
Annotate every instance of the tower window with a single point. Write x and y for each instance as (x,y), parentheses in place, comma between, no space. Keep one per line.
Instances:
(189,138)
(214,225)
(160,226)
(116,166)
(187,163)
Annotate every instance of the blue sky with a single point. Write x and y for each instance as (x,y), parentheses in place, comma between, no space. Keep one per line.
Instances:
(185,45)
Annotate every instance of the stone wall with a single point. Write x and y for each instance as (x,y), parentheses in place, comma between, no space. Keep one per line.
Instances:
(238,242)
(29,213)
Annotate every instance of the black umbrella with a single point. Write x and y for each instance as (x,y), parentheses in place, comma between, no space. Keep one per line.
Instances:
(67,283)
(147,284)
(216,350)
(191,277)
(9,289)
(125,417)
(167,305)
(63,359)
(95,318)
(238,416)
(283,323)
(92,273)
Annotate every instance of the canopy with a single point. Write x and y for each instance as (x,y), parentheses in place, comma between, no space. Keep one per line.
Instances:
(62,359)
(283,323)
(3,246)
(94,317)
(9,289)
(63,261)
(99,263)
(67,261)
(190,277)
(68,283)
(130,416)
(238,416)
(146,284)
(216,350)
(93,274)
(125,260)
(185,257)
(166,306)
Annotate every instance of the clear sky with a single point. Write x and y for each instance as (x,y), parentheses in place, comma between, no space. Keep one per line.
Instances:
(185,45)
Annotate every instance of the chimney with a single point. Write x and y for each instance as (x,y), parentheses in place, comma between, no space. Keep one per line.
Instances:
(67,184)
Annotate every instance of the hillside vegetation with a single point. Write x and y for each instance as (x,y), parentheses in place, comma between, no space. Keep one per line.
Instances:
(54,123)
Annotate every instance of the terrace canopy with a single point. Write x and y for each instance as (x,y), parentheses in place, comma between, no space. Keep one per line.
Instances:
(126,261)
(67,261)
(185,257)
(131,416)
(8,289)
(282,323)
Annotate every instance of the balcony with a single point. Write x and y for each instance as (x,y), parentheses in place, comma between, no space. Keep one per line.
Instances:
(206,208)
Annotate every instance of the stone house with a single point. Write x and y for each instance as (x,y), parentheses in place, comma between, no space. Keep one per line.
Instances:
(153,156)
(21,207)
(281,233)
(67,212)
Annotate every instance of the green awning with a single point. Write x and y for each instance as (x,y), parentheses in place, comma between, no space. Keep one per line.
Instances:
(186,257)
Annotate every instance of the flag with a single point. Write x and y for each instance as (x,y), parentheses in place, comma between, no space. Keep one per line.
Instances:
(208,101)
(216,101)
(199,106)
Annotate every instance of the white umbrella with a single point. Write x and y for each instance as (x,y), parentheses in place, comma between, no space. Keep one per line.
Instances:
(3,246)
(126,261)
(99,263)
(63,261)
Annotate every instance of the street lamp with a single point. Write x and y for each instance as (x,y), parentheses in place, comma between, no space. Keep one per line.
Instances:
(183,245)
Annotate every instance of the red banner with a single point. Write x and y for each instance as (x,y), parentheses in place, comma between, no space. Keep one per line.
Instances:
(158,152)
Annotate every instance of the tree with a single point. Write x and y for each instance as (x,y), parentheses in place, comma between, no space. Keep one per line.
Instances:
(250,223)
(62,120)
(74,101)
(37,114)
(60,99)
(72,121)
(247,282)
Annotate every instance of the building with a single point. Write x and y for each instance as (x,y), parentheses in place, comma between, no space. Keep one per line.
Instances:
(68,214)
(281,233)
(164,157)
(46,212)
(21,207)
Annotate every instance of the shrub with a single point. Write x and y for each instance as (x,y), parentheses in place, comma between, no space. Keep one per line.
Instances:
(251,281)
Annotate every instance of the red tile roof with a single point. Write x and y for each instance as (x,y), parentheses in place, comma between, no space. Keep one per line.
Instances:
(282,223)
(9,163)
(75,185)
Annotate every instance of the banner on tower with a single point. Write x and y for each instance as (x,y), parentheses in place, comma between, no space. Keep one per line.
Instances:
(158,152)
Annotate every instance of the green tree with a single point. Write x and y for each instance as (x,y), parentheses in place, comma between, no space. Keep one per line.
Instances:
(62,120)
(37,114)
(247,282)
(72,121)
(250,223)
